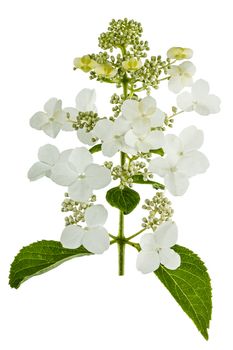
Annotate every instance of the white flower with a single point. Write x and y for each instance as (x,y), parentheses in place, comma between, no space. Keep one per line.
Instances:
(143,115)
(48,156)
(51,120)
(199,100)
(112,134)
(94,237)
(144,142)
(156,249)
(181,76)
(183,160)
(85,102)
(80,174)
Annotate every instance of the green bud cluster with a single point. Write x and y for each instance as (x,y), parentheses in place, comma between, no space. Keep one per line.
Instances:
(77,208)
(160,210)
(85,120)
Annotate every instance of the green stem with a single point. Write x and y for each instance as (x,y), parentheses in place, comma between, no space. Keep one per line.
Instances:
(137,233)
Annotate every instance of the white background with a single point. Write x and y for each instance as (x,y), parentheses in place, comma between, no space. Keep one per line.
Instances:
(83,304)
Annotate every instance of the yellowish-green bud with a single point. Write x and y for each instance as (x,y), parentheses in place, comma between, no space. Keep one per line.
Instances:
(106,70)
(85,63)
(179,53)
(132,64)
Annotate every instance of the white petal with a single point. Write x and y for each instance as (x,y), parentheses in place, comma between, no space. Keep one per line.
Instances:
(159,166)
(80,191)
(86,137)
(120,126)
(38,120)
(147,242)
(67,124)
(173,148)
(213,103)
(131,139)
(85,100)
(110,148)
(188,67)
(97,176)
(62,174)
(147,105)
(96,240)
(79,159)
(64,156)
(103,129)
(141,126)
(191,138)
(48,154)
(169,258)
(52,106)
(200,89)
(38,170)
(130,109)
(175,84)
(52,129)
(147,261)
(166,235)
(155,139)
(177,183)
(72,236)
(193,163)
(185,101)
(96,215)
(157,120)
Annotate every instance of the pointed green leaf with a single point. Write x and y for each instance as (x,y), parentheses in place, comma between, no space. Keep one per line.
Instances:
(124,199)
(138,179)
(159,151)
(38,258)
(190,286)
(95,148)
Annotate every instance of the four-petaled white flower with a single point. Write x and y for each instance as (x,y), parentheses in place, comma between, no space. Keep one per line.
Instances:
(181,76)
(94,237)
(80,174)
(144,142)
(199,100)
(48,156)
(182,161)
(156,249)
(51,120)
(143,115)
(85,102)
(113,136)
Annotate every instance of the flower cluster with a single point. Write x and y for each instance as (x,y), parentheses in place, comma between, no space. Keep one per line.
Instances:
(138,131)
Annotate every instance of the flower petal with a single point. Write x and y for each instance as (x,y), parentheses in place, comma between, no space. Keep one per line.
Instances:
(48,154)
(157,120)
(147,242)
(38,170)
(200,89)
(79,159)
(185,101)
(52,129)
(86,137)
(38,120)
(188,67)
(193,163)
(52,106)
(131,139)
(169,258)
(96,240)
(166,235)
(62,174)
(72,236)
(80,191)
(85,100)
(130,109)
(177,183)
(191,138)
(213,103)
(97,176)
(159,166)
(173,148)
(103,129)
(147,261)
(110,148)
(147,106)
(175,84)
(155,139)
(96,215)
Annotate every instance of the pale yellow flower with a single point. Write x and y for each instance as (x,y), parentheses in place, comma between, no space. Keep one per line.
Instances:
(179,53)
(132,64)
(106,70)
(85,63)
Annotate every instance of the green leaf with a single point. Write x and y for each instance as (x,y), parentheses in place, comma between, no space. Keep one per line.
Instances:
(38,258)
(124,199)
(138,179)
(95,148)
(159,151)
(190,286)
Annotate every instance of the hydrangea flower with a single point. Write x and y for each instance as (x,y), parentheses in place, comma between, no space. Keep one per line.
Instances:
(94,237)
(132,64)
(156,249)
(51,120)
(80,174)
(179,53)
(199,100)
(144,142)
(181,76)
(106,70)
(182,161)
(85,63)
(143,115)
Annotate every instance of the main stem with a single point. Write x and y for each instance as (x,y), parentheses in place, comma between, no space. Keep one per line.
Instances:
(121,235)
